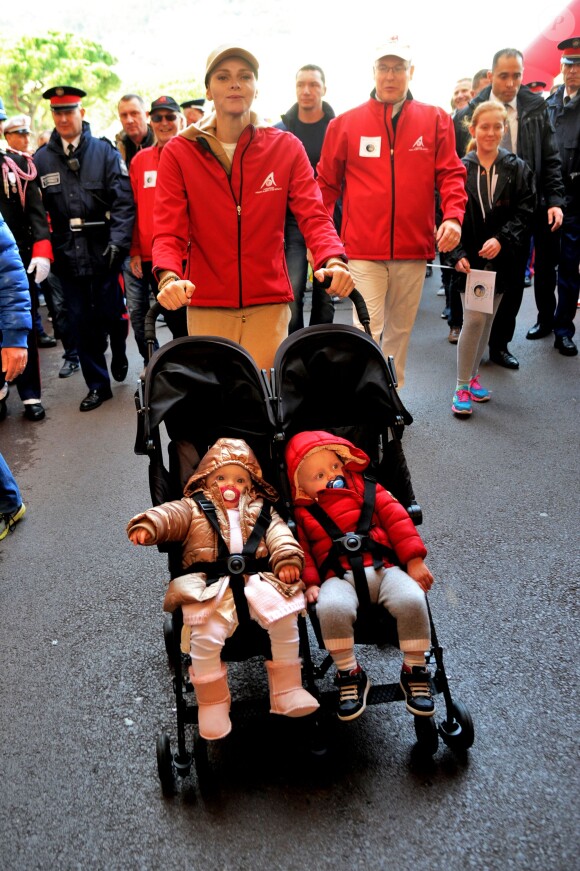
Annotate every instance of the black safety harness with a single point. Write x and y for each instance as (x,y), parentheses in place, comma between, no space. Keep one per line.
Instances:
(234,565)
(353,545)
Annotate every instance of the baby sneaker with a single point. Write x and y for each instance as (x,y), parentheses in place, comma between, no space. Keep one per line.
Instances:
(461,404)
(353,688)
(477,392)
(416,684)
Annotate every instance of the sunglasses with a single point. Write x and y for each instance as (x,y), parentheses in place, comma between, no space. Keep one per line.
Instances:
(156,117)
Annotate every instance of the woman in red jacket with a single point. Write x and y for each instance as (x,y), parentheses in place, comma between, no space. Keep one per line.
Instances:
(220,205)
(326,470)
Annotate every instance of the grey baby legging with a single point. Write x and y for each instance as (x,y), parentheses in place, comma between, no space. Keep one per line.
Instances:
(393,588)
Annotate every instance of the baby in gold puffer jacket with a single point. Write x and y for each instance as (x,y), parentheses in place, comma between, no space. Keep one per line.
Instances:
(230,476)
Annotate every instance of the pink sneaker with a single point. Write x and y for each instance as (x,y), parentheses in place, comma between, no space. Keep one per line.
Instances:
(477,392)
(461,402)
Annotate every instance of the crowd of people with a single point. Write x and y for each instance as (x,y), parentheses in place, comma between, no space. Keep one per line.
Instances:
(223,218)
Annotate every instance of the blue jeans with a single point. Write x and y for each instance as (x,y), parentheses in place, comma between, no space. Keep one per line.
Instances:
(137,293)
(10,498)
(322,304)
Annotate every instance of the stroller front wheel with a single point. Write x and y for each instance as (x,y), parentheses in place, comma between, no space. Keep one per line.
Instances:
(459,735)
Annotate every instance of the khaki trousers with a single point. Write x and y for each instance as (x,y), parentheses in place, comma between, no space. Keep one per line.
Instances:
(392,292)
(260,329)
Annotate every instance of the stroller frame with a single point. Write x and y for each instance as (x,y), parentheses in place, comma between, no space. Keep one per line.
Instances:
(266,412)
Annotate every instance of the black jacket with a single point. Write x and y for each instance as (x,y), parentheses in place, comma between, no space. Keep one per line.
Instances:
(94,185)
(566,121)
(288,122)
(290,118)
(28,223)
(536,142)
(514,201)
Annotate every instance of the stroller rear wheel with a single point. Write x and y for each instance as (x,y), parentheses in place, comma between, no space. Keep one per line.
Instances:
(165,764)
(459,735)
(427,735)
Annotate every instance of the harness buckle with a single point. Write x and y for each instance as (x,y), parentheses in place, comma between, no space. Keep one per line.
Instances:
(351,542)
(236,564)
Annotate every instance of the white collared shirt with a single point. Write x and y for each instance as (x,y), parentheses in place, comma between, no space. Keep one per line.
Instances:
(512,118)
(66,144)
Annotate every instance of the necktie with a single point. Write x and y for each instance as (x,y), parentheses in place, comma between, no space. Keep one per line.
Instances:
(70,148)
(506,141)
(566,100)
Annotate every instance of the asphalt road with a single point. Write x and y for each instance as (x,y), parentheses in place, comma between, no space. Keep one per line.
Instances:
(86,687)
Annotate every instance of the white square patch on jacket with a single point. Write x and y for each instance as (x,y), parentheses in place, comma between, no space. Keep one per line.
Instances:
(370,146)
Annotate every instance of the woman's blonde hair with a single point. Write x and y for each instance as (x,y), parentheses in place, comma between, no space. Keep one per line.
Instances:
(487,106)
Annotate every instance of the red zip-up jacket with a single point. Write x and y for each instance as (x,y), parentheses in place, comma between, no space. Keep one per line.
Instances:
(143,175)
(390,178)
(227,223)
(391,524)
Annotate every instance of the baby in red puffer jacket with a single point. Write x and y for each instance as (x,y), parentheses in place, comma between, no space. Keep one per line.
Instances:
(329,493)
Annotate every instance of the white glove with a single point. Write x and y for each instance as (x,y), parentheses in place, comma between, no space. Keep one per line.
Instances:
(42,266)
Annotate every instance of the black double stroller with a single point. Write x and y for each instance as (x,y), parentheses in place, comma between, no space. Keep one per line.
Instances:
(334,378)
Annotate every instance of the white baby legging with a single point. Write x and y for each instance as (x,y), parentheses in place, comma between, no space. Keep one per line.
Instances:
(207,640)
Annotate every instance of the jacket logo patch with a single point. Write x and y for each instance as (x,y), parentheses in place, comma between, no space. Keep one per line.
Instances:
(418,145)
(51,179)
(150,178)
(369,146)
(269,185)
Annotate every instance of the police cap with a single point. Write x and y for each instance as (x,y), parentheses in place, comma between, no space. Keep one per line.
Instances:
(570,50)
(64,97)
(17,124)
(536,87)
(191,104)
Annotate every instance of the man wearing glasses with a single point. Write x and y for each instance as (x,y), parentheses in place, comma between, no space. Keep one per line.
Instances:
(387,157)
(86,192)
(166,121)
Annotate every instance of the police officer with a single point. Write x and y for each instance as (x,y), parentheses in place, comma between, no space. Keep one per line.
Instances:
(564,110)
(86,191)
(22,209)
(193,110)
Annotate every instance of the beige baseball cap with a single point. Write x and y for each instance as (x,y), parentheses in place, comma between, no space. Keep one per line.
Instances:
(223,51)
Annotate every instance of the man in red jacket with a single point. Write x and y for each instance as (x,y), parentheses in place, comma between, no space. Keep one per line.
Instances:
(223,188)
(166,122)
(387,157)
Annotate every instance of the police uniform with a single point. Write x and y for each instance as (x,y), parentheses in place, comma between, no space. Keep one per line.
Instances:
(564,114)
(88,197)
(22,209)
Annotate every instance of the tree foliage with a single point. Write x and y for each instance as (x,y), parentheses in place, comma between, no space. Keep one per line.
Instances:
(33,64)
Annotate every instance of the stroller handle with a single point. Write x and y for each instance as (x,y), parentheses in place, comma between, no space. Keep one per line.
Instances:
(355,295)
(359,303)
(150,318)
